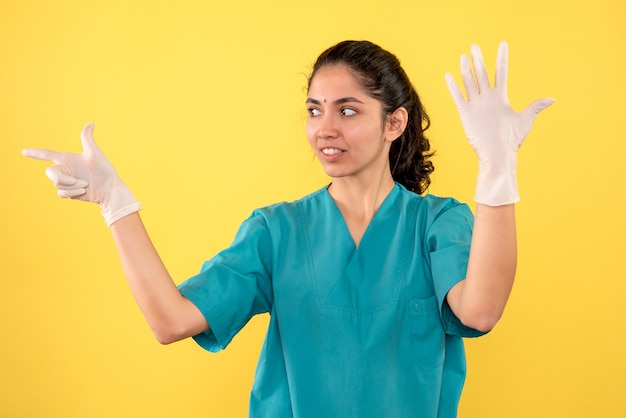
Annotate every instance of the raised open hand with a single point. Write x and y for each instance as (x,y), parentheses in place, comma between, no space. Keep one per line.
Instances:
(494,130)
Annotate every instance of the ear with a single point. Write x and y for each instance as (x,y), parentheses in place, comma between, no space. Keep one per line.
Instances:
(396,124)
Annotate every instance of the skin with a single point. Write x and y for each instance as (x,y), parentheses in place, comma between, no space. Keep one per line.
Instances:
(480,299)
(171,316)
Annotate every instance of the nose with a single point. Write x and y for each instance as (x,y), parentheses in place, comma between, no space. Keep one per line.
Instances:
(327,127)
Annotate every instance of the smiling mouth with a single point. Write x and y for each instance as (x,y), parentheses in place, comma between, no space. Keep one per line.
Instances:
(331,151)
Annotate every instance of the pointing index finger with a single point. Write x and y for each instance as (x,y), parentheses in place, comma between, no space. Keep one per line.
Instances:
(43,154)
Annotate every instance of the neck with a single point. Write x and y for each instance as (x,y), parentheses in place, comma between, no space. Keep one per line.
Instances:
(358,198)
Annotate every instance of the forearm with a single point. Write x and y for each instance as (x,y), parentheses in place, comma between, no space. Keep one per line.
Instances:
(480,299)
(170,315)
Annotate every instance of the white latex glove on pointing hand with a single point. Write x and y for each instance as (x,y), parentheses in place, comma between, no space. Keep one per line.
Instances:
(89,177)
(494,130)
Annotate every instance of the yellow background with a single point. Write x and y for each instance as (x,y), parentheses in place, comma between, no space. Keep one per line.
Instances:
(200,106)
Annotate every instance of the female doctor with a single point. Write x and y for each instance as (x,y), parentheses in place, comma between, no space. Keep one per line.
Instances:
(370,286)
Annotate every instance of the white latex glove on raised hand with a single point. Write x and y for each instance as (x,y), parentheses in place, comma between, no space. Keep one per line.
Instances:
(89,177)
(494,130)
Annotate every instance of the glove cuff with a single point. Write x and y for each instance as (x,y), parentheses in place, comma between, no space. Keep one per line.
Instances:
(495,187)
(120,203)
(125,211)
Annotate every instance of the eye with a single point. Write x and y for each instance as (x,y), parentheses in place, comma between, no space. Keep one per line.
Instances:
(346,111)
(314,111)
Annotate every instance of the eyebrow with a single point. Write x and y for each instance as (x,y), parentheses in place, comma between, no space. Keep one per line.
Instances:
(342,100)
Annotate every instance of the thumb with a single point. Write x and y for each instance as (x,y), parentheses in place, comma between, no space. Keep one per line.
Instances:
(86,137)
(528,115)
(537,106)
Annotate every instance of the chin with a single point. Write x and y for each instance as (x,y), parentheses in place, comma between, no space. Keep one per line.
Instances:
(334,172)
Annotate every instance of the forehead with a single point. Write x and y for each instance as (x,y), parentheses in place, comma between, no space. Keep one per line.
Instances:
(334,81)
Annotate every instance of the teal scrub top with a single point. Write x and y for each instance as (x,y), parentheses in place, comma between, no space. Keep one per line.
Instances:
(353,332)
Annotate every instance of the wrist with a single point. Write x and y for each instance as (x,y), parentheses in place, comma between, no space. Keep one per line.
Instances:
(496,185)
(119,203)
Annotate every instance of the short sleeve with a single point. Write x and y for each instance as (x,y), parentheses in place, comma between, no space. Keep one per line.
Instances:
(234,285)
(449,239)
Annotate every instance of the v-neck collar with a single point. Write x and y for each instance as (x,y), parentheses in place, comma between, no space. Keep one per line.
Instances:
(384,206)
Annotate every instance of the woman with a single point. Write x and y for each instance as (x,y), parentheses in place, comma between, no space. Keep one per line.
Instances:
(370,286)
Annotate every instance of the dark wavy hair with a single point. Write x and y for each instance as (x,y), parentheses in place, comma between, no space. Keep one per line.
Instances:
(382,76)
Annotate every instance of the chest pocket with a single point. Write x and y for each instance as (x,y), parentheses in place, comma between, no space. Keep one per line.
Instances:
(427,336)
